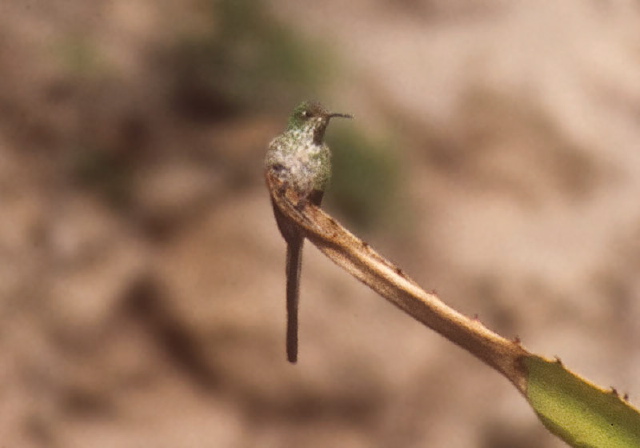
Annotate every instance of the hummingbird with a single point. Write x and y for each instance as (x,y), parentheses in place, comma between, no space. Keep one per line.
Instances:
(302,161)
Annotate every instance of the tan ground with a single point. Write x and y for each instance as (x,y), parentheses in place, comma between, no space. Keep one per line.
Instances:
(160,323)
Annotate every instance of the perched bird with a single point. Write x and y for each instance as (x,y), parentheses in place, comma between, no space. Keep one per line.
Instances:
(302,161)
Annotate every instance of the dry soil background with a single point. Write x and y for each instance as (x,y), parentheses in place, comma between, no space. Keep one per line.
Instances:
(141,271)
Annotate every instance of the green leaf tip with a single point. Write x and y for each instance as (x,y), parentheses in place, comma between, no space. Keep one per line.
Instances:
(577,411)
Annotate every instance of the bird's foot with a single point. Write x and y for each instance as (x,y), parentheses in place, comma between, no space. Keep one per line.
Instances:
(301,204)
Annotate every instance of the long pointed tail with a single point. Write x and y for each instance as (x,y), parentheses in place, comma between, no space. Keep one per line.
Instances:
(294,262)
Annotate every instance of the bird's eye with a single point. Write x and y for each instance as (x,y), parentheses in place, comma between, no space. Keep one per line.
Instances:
(306,113)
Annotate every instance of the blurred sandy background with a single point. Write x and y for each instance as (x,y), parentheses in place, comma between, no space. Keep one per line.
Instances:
(495,157)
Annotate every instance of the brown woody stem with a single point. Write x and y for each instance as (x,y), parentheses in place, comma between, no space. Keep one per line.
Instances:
(364,263)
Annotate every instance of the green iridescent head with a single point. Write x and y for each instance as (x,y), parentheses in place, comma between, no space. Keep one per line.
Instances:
(314,116)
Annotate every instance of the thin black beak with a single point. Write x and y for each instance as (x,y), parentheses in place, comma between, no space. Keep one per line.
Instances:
(340,115)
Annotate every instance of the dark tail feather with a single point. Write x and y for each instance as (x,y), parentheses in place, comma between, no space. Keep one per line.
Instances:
(294,262)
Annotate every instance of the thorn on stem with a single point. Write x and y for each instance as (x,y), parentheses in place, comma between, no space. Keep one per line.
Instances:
(614,391)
